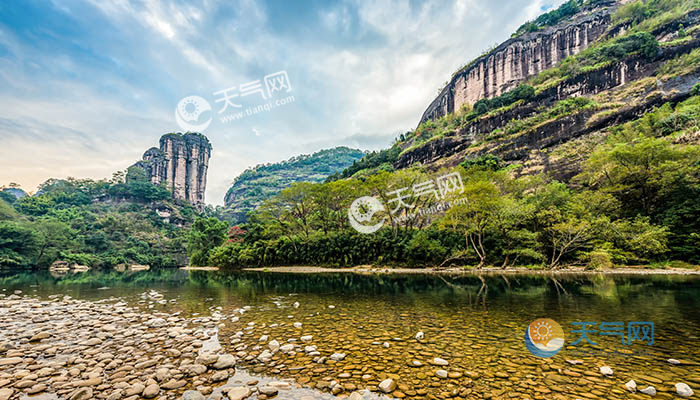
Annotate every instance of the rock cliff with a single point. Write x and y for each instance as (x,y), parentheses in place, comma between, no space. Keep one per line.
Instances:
(181,164)
(520,58)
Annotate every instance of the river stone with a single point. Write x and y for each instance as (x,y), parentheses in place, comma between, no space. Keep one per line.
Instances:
(306,338)
(207,359)
(420,336)
(439,361)
(683,390)
(151,391)
(605,370)
(286,348)
(673,361)
(268,391)
(225,361)
(192,395)
(238,393)
(387,385)
(441,373)
(338,356)
(297,325)
(274,346)
(355,396)
(650,390)
(193,369)
(10,361)
(631,386)
(219,376)
(82,394)
(40,336)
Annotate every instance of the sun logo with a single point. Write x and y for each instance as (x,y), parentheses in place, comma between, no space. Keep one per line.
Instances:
(544,337)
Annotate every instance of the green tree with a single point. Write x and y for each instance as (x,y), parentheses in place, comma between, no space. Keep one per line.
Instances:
(205,235)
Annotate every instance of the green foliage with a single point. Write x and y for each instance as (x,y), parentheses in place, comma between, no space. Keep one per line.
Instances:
(522,92)
(97,223)
(370,161)
(550,18)
(484,161)
(255,185)
(18,244)
(205,235)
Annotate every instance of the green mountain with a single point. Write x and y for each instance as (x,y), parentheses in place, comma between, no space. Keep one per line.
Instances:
(263,181)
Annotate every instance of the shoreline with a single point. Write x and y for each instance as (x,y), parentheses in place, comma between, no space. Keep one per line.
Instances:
(369,270)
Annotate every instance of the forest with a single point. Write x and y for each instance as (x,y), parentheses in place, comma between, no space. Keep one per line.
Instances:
(633,203)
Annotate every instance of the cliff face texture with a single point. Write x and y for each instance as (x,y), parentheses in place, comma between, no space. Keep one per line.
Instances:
(181,162)
(568,115)
(520,58)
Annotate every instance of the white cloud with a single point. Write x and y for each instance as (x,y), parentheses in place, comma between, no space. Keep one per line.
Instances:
(363,72)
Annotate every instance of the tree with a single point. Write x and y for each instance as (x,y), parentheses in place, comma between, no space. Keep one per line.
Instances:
(18,244)
(473,216)
(52,237)
(205,235)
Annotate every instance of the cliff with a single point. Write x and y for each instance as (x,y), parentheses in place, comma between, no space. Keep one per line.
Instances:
(180,164)
(520,58)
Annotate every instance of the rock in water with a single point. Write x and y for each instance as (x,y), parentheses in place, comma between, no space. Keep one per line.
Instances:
(673,361)
(607,371)
(631,386)
(192,395)
(420,336)
(338,356)
(683,390)
(439,361)
(650,390)
(238,393)
(151,391)
(387,385)
(225,361)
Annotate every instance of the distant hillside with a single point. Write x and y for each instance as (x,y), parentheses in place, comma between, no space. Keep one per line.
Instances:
(12,194)
(256,184)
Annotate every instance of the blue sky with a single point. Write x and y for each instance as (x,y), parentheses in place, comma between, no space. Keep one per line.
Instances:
(86,86)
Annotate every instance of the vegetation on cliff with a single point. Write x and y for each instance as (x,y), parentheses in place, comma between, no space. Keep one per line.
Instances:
(257,184)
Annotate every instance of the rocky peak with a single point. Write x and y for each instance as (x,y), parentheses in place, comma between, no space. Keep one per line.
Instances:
(181,163)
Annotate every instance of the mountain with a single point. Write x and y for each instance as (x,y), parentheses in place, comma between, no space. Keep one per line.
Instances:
(545,98)
(180,163)
(261,182)
(11,194)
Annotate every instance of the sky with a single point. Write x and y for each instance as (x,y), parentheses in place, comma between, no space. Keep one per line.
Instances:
(86,86)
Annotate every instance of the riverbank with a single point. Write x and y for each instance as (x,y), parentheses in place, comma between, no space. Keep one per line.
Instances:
(63,348)
(369,269)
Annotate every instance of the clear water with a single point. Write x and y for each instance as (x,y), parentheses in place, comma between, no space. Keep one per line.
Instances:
(475,323)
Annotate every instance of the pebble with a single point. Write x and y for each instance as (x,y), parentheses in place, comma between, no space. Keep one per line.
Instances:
(683,390)
(650,390)
(387,386)
(605,370)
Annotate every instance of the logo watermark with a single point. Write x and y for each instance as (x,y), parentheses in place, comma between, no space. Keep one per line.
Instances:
(188,112)
(544,337)
(362,210)
(401,208)
(269,89)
